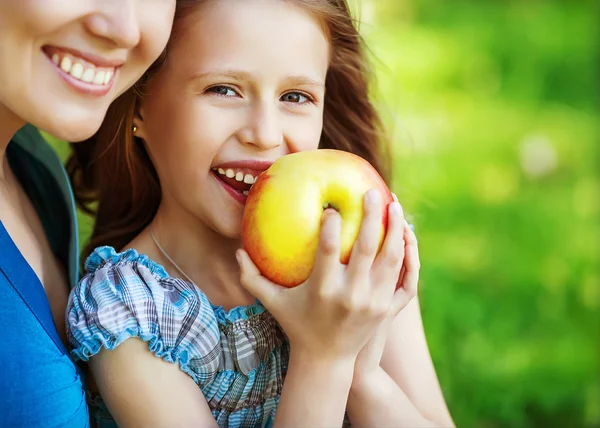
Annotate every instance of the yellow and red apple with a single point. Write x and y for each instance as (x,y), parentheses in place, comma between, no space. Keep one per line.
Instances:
(282,216)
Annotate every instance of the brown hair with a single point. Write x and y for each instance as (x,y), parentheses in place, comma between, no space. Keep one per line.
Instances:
(115,181)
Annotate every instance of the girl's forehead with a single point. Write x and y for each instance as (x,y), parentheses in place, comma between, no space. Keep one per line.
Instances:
(251,33)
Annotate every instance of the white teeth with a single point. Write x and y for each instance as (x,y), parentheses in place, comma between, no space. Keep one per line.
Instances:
(107,77)
(99,78)
(76,70)
(239,175)
(65,64)
(88,75)
(245,193)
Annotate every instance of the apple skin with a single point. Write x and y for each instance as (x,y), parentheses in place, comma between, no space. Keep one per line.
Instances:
(282,216)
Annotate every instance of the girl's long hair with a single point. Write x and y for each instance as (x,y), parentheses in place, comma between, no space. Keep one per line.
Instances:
(115,181)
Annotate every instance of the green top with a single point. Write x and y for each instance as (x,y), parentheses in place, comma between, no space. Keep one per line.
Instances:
(32,159)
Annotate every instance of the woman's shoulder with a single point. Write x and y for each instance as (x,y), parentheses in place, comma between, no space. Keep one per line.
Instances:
(126,294)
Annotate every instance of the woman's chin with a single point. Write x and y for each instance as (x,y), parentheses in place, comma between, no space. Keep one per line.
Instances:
(71,124)
(73,133)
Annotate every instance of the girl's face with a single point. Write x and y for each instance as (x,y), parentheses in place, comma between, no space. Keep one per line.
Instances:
(62,62)
(244,85)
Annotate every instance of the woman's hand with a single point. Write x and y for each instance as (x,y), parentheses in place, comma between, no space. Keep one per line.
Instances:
(335,312)
(370,356)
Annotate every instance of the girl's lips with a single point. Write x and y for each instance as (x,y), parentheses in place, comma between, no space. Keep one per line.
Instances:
(257,166)
(233,192)
(237,177)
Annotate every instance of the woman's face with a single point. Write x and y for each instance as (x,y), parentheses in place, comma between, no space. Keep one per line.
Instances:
(62,62)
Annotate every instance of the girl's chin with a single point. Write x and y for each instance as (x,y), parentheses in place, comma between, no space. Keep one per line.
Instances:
(227,227)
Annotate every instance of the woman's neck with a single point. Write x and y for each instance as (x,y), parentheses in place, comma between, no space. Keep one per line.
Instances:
(9,125)
(205,256)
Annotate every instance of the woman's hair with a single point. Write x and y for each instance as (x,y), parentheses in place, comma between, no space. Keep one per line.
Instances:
(115,181)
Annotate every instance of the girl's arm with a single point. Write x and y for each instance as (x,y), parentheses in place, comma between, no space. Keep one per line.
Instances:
(330,317)
(405,391)
(315,392)
(143,390)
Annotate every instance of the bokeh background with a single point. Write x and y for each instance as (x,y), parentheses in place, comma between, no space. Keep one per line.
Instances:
(493,110)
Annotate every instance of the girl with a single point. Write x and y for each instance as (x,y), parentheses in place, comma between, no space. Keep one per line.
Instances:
(62,62)
(162,278)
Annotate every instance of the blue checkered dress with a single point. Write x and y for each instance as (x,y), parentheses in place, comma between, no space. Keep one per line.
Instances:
(238,358)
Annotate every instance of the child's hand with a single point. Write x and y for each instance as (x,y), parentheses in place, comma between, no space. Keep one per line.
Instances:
(334,313)
(370,356)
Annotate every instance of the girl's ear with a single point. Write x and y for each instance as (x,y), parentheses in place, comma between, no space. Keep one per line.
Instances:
(138,124)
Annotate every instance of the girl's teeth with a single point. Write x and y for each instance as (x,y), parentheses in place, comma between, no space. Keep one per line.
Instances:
(239,175)
(245,193)
(56,59)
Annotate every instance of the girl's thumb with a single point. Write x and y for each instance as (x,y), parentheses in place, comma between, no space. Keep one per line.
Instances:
(252,280)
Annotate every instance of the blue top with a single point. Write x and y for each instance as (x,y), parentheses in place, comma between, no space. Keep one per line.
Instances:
(238,358)
(40,386)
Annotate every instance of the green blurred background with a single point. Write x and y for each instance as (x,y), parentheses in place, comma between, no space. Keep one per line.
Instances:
(493,110)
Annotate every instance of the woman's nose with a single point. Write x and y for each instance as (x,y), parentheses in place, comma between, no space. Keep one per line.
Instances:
(117,22)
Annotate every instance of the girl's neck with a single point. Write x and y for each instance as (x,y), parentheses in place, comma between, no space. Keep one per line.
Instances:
(202,254)
(9,125)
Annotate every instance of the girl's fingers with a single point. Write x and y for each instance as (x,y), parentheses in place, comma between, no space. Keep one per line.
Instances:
(401,276)
(410,277)
(388,263)
(367,243)
(252,280)
(326,271)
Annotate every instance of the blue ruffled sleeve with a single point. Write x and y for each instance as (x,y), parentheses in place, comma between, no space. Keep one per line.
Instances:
(126,295)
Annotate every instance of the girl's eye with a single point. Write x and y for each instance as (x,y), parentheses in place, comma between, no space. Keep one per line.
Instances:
(224,91)
(295,97)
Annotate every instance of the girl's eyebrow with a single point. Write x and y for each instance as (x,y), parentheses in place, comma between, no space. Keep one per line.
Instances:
(242,75)
(227,72)
(304,81)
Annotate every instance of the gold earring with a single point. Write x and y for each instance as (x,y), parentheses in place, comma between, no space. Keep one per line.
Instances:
(134,128)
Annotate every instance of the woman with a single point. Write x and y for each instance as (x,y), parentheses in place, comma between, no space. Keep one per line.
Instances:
(62,62)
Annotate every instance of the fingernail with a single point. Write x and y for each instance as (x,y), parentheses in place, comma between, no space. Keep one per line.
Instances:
(327,214)
(238,257)
(372,196)
(396,208)
(395,197)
